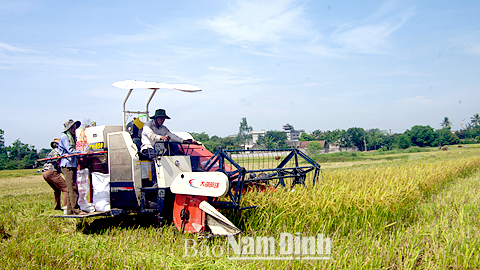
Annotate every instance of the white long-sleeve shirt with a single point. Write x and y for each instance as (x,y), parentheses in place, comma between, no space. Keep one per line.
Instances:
(151,134)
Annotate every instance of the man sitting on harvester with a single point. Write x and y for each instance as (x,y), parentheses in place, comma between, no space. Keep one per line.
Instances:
(154,131)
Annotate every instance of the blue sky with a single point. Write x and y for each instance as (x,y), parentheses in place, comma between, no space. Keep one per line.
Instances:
(313,64)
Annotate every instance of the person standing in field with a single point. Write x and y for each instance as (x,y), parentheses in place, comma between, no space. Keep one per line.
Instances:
(51,174)
(68,165)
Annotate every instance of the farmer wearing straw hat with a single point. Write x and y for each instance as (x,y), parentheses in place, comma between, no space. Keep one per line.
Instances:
(51,174)
(68,165)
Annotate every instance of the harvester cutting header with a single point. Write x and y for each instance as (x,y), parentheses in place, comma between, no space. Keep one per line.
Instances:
(177,179)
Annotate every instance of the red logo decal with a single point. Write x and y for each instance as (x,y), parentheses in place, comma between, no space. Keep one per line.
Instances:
(209,184)
(206,184)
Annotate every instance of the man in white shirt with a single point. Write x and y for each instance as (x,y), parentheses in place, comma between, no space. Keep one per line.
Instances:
(154,131)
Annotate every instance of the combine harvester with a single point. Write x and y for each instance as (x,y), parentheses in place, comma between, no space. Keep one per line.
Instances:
(193,183)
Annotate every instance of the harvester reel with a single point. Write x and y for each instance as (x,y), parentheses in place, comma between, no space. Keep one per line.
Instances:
(260,183)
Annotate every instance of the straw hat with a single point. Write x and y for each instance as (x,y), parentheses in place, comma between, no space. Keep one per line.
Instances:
(54,143)
(67,125)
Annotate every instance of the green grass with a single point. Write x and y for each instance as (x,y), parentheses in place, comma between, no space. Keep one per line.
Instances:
(400,155)
(19,173)
(371,155)
(407,211)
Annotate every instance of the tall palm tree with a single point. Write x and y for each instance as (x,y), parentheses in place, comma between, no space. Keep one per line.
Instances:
(475,119)
(446,122)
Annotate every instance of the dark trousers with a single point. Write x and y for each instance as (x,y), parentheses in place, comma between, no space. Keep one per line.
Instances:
(58,184)
(150,153)
(72,188)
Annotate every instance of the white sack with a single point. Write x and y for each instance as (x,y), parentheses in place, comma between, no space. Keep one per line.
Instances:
(101,191)
(83,190)
(88,208)
(102,206)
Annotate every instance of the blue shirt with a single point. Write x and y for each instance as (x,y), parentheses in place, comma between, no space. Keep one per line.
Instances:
(65,148)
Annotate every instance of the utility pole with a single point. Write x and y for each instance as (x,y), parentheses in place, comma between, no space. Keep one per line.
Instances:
(364,141)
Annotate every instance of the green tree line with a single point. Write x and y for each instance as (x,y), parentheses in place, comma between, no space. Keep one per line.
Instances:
(23,156)
(17,156)
(370,139)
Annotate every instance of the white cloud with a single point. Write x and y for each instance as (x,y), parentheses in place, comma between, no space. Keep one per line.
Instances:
(259,22)
(363,39)
(224,79)
(77,51)
(417,100)
(222,69)
(323,50)
(16,57)
(27,61)
(367,36)
(87,77)
(468,43)
(128,39)
(270,23)
(396,72)
(474,49)
(11,48)
(372,36)
(16,8)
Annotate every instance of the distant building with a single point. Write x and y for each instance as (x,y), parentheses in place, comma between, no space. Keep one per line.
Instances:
(256,135)
(292,134)
(305,144)
(334,146)
(292,137)
(287,127)
(293,144)
(253,141)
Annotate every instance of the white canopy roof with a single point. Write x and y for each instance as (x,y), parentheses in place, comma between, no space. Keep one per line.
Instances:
(132,84)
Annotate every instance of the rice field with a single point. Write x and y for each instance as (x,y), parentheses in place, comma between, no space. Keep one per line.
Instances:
(380,211)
